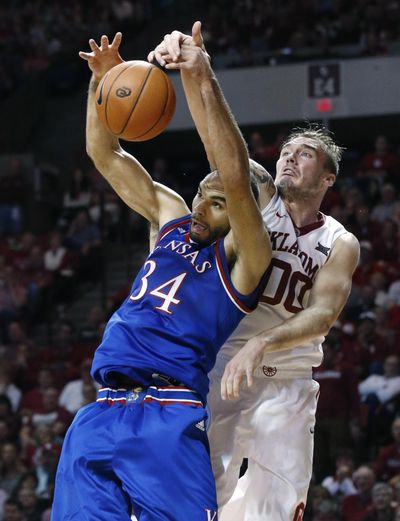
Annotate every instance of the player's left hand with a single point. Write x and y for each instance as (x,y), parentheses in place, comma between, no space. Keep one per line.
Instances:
(240,367)
(103,57)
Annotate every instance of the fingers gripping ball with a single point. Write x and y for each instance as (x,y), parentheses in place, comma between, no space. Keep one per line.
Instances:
(135,100)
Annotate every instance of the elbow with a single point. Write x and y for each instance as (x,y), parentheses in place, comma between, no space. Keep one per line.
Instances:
(327,320)
(90,152)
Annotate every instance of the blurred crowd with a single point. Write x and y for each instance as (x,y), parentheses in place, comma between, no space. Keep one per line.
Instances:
(44,382)
(37,36)
(250,32)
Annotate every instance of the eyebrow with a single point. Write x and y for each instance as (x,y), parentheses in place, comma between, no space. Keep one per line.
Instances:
(302,145)
(218,198)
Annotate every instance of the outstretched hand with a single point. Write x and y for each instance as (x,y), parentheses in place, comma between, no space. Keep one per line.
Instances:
(103,58)
(240,367)
(169,50)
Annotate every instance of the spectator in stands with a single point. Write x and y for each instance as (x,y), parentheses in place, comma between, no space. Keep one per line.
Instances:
(394,293)
(384,208)
(6,413)
(379,283)
(61,264)
(84,237)
(257,147)
(338,405)
(11,467)
(356,506)
(13,300)
(384,387)
(6,434)
(76,197)
(104,210)
(382,508)
(32,506)
(14,190)
(381,163)
(387,464)
(72,396)
(32,401)
(94,318)
(386,242)
(341,483)
(317,494)
(7,387)
(364,228)
(13,511)
(367,351)
(45,466)
(380,393)
(384,328)
(374,42)
(51,412)
(366,266)
(22,250)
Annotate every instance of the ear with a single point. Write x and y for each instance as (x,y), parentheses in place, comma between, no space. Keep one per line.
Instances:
(330,179)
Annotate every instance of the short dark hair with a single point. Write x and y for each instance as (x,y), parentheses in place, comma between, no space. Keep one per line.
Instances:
(325,140)
(253,183)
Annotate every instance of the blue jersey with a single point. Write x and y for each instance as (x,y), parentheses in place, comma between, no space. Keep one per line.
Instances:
(181,309)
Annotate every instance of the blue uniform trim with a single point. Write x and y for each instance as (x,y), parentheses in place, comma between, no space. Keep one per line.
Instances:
(161,395)
(171,225)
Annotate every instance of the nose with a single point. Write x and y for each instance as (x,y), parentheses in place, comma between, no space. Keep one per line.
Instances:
(291,157)
(199,207)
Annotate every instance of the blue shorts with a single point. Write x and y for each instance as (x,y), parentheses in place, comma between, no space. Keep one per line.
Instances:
(142,450)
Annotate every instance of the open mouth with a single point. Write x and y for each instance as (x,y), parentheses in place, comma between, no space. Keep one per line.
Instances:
(197,227)
(289,171)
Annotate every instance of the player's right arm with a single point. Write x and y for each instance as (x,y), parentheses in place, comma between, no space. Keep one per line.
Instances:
(134,185)
(169,49)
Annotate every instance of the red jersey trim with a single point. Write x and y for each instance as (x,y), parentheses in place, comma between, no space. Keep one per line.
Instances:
(225,279)
(163,232)
(303,230)
(165,401)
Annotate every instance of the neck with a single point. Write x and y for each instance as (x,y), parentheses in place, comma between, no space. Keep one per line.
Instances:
(302,214)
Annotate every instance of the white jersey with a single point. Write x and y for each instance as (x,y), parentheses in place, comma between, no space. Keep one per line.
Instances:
(298,254)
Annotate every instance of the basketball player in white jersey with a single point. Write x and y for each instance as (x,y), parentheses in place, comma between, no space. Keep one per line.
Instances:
(270,418)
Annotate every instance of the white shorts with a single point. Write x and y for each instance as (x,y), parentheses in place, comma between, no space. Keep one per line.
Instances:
(271,424)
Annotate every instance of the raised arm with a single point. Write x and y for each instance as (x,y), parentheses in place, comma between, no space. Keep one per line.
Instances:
(169,50)
(327,298)
(247,244)
(157,203)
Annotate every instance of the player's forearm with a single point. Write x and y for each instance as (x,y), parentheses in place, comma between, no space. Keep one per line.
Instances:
(229,148)
(198,113)
(100,144)
(307,325)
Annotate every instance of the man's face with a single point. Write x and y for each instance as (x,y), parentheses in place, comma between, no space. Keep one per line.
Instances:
(363,480)
(209,214)
(382,496)
(12,513)
(301,170)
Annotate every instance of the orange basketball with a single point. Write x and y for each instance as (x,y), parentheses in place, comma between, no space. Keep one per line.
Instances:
(135,100)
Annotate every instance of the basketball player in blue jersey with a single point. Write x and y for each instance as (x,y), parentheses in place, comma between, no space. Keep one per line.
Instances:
(270,421)
(142,445)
